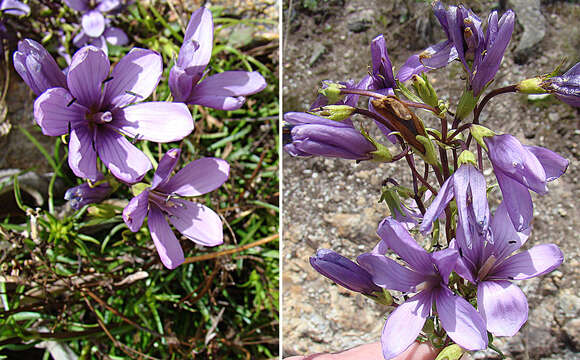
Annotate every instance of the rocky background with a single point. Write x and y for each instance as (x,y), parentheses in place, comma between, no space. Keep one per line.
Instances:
(332,203)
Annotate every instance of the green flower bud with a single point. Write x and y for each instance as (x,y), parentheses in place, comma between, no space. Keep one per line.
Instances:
(335,112)
(466,104)
(425,91)
(430,155)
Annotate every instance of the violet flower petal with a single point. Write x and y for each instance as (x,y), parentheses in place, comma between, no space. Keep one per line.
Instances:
(506,239)
(196,222)
(93,23)
(37,67)
(123,159)
(503,306)
(156,121)
(87,71)
(301,118)
(134,78)
(78,5)
(517,199)
(53,113)
(13,7)
(115,36)
(81,39)
(445,261)
(388,274)
(200,30)
(82,157)
(404,324)
(382,67)
(165,167)
(84,194)
(167,245)
(437,206)
(460,320)
(539,260)
(507,154)
(225,91)
(108,5)
(343,271)
(198,177)
(329,141)
(397,238)
(554,165)
(180,83)
(135,212)
(496,46)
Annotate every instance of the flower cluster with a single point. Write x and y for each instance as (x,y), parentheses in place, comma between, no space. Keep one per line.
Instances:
(460,290)
(97,109)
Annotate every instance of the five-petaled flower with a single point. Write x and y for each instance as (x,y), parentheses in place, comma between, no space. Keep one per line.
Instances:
(195,221)
(488,263)
(96,109)
(427,274)
(225,90)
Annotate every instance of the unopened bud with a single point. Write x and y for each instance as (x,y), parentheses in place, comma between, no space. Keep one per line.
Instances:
(466,104)
(425,91)
(335,112)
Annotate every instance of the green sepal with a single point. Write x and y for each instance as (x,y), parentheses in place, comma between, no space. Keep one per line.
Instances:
(334,112)
(451,352)
(383,298)
(424,89)
(401,88)
(391,197)
(430,155)
(382,153)
(479,132)
(138,188)
(103,211)
(466,104)
(332,92)
(531,86)
(466,157)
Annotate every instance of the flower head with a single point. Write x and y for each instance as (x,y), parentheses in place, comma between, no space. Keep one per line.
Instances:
(96,109)
(162,201)
(518,169)
(343,271)
(565,87)
(225,90)
(489,263)
(37,67)
(311,135)
(427,275)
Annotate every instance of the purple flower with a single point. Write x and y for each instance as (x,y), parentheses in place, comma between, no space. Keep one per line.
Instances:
(14,7)
(195,221)
(427,275)
(85,194)
(488,263)
(37,67)
(520,168)
(467,186)
(480,54)
(223,91)
(343,271)
(312,135)
(96,29)
(96,109)
(565,87)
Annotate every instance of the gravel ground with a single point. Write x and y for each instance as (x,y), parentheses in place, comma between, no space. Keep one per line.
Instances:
(332,203)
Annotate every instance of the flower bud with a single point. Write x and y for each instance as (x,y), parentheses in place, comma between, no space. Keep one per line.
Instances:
(425,91)
(335,112)
(344,272)
(85,194)
(37,67)
(466,104)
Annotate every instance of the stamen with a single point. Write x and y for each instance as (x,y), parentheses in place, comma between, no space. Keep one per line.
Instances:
(487,266)
(132,93)
(107,79)
(71,102)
